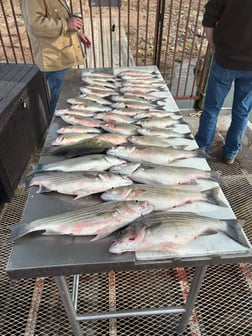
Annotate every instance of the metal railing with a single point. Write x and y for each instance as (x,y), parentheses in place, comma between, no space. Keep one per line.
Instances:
(164,33)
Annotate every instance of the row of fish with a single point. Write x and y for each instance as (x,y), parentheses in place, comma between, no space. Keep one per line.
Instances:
(119,143)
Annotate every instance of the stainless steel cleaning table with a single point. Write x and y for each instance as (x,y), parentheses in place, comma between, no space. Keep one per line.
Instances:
(36,255)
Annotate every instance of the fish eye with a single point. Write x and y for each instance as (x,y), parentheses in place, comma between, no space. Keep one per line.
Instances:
(132,239)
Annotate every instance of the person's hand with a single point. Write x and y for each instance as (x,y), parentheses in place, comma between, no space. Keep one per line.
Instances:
(85,40)
(74,23)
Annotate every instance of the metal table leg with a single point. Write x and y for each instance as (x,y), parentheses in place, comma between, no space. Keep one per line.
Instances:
(192,296)
(68,304)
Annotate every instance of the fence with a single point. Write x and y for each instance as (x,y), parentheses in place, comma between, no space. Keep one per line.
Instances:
(164,33)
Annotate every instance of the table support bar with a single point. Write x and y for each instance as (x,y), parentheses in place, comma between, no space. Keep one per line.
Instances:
(186,310)
(130,313)
(68,304)
(192,296)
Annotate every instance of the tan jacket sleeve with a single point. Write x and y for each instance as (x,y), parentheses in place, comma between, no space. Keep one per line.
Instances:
(44,20)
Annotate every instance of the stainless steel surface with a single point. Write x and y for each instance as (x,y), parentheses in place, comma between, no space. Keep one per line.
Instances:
(146,287)
(33,307)
(65,255)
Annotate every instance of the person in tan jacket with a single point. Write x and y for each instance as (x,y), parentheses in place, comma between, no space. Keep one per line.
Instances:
(55,37)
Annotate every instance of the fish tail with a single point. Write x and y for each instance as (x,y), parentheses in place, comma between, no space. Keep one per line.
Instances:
(212,197)
(17,231)
(188,136)
(216,176)
(234,231)
(27,181)
(199,152)
(36,168)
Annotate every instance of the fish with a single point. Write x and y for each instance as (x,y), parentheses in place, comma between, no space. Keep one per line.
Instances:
(91,107)
(137,89)
(78,120)
(114,138)
(162,231)
(99,221)
(78,129)
(114,117)
(101,91)
(94,145)
(69,139)
(162,142)
(165,175)
(154,155)
(135,105)
(129,112)
(99,83)
(78,184)
(164,133)
(162,198)
(146,96)
(154,114)
(121,128)
(76,101)
(151,141)
(160,122)
(95,98)
(81,113)
(96,162)
(136,99)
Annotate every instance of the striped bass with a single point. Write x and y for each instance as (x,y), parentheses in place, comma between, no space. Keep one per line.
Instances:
(91,107)
(154,155)
(86,73)
(146,140)
(97,162)
(79,184)
(164,132)
(69,139)
(93,145)
(162,231)
(121,128)
(95,98)
(160,122)
(78,129)
(59,113)
(79,120)
(162,198)
(99,220)
(165,175)
(113,117)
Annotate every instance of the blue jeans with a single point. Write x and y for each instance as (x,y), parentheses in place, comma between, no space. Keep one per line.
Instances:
(55,81)
(219,84)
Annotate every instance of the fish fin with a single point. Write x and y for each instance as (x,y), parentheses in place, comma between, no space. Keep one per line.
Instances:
(234,231)
(212,196)
(80,195)
(42,189)
(193,181)
(100,236)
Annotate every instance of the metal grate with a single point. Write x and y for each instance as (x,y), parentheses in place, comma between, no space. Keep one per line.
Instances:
(33,307)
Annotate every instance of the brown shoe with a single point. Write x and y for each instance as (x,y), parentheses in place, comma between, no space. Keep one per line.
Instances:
(229,161)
